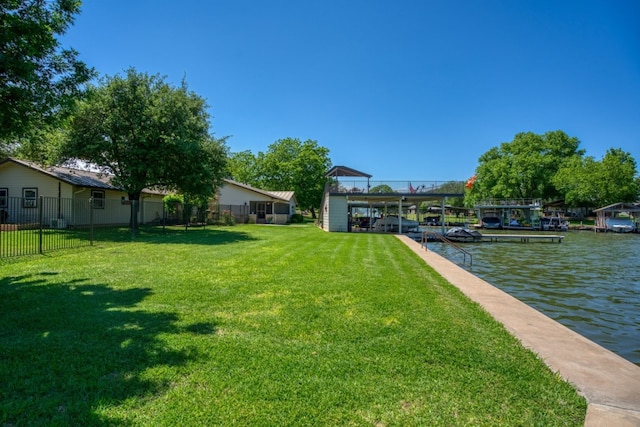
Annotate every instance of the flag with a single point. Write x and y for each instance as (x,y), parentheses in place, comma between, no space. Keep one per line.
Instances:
(470,182)
(411,189)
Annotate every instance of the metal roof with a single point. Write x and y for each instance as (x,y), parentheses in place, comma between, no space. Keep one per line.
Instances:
(77,177)
(281,195)
(346,171)
(620,207)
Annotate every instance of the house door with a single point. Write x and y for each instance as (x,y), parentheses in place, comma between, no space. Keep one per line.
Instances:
(261,212)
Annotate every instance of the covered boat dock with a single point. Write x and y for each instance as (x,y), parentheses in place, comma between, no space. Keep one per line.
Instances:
(357,196)
(618,217)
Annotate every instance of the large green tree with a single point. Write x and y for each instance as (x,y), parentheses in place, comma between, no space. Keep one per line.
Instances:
(148,133)
(243,167)
(288,164)
(575,180)
(591,183)
(42,144)
(39,80)
(300,166)
(525,167)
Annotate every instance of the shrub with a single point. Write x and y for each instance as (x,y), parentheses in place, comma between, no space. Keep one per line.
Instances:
(296,219)
(171,203)
(227,218)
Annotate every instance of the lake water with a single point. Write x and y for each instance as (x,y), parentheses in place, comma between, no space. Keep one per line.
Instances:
(589,283)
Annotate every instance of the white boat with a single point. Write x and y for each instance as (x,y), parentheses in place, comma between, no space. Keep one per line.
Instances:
(391,223)
(619,225)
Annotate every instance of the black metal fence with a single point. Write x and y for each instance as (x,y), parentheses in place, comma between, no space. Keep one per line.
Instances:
(228,214)
(30,226)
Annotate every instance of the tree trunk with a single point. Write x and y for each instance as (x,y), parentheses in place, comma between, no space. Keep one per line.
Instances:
(135,208)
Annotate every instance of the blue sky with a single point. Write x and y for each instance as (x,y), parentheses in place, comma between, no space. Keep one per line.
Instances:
(407,90)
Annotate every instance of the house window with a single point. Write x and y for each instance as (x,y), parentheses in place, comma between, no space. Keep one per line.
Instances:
(30,197)
(4,198)
(98,199)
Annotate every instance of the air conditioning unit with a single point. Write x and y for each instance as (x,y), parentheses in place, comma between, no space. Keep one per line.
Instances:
(58,223)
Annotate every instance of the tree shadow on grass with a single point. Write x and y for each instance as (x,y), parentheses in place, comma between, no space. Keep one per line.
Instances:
(70,349)
(178,235)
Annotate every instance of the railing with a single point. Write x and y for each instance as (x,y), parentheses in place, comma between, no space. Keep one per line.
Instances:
(443,239)
(399,187)
(509,202)
(37,225)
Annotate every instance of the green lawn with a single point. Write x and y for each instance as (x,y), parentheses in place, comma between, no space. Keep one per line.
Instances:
(261,326)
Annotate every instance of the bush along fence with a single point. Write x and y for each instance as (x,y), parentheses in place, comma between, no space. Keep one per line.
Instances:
(188,214)
(229,214)
(30,226)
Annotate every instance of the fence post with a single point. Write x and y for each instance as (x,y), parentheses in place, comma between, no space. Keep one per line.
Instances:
(40,225)
(91,221)
(164,216)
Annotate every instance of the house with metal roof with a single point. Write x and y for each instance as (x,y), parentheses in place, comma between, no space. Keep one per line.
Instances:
(71,196)
(256,205)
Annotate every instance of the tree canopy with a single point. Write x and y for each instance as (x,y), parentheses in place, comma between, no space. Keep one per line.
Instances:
(148,134)
(524,167)
(552,167)
(243,167)
(39,80)
(587,182)
(288,164)
(382,188)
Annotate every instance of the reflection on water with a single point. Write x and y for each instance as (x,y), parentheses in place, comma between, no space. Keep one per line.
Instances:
(589,283)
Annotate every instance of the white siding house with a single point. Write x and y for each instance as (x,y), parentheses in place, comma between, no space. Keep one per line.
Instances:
(24,184)
(259,206)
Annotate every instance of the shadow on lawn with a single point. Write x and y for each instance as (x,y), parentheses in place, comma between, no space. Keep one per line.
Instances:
(71,349)
(197,236)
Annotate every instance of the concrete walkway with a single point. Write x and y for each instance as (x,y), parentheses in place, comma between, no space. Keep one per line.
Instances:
(610,383)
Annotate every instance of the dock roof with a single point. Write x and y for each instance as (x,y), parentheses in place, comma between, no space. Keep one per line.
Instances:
(620,207)
(346,171)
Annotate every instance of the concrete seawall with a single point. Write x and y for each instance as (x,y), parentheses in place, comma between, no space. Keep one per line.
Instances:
(610,383)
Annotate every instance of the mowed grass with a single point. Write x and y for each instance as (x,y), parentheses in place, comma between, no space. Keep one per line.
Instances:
(259,326)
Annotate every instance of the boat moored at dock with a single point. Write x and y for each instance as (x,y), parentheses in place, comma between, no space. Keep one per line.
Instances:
(459,234)
(394,223)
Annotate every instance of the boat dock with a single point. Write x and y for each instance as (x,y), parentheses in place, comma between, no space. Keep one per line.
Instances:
(432,236)
(522,237)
